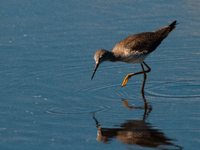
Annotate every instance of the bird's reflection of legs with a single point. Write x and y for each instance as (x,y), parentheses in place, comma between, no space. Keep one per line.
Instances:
(142,72)
(147,108)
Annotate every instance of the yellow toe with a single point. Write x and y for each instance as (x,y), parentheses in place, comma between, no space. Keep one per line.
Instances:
(125,81)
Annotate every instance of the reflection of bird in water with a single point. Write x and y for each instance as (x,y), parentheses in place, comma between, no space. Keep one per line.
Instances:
(134,49)
(136,132)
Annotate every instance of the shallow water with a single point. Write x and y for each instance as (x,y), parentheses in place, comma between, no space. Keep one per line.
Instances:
(48,100)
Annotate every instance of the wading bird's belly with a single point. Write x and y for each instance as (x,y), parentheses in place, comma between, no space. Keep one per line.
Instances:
(135,58)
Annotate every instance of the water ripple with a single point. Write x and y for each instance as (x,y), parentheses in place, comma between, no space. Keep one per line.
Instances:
(179,89)
(76,109)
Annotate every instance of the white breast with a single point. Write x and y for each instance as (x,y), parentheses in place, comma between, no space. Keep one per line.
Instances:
(134,57)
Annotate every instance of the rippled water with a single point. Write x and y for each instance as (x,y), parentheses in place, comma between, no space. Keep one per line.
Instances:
(48,100)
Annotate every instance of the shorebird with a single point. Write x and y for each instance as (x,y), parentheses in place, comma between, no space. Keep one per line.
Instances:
(134,49)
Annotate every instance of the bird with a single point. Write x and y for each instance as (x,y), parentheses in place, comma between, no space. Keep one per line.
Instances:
(134,49)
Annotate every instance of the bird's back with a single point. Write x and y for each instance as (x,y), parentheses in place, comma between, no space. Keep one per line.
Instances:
(145,42)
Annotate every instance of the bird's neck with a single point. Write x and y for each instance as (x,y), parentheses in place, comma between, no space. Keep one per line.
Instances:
(112,57)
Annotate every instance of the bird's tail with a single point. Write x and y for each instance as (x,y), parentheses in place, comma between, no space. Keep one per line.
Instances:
(173,25)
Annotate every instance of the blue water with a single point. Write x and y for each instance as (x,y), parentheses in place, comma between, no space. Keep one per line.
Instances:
(48,100)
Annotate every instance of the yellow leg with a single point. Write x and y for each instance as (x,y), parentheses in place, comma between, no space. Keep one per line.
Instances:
(132,74)
(128,77)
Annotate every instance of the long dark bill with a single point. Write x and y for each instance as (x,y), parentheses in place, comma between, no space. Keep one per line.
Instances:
(94,70)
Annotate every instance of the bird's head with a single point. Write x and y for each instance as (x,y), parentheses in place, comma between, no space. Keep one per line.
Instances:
(99,57)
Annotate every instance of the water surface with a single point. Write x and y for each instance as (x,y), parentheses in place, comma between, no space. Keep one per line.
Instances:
(48,100)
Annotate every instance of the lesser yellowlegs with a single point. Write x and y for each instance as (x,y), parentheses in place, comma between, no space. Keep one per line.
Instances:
(134,49)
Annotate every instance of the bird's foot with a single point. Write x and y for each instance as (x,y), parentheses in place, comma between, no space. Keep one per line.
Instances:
(125,80)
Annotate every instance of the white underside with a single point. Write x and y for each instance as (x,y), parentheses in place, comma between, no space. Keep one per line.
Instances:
(135,57)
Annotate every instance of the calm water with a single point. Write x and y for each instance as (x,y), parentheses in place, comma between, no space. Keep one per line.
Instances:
(48,100)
